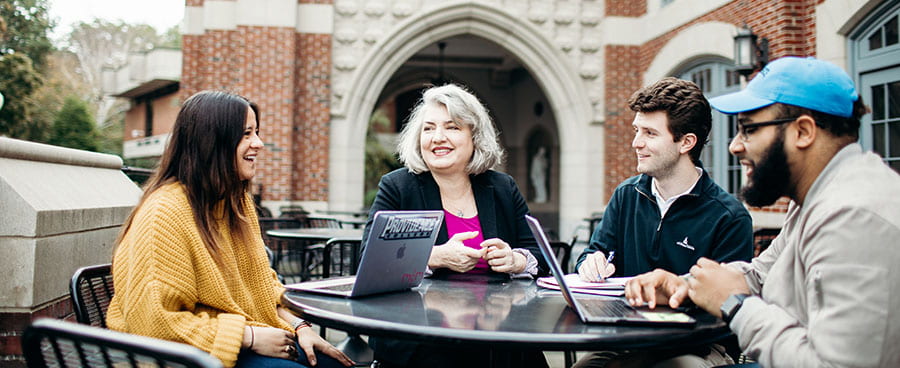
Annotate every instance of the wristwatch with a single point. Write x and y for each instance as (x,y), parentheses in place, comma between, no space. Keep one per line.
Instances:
(299,322)
(731,306)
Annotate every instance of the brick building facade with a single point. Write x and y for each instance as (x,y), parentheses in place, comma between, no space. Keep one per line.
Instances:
(319,69)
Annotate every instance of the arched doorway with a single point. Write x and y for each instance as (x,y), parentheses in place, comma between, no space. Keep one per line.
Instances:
(580,177)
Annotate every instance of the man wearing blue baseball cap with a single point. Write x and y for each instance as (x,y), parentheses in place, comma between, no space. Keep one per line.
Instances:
(826,292)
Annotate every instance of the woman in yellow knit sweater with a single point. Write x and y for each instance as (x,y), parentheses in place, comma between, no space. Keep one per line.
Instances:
(190,265)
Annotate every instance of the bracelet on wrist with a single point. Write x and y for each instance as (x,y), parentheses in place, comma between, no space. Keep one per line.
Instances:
(300,323)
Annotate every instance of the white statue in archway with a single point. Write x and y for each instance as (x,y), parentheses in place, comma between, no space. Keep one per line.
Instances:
(538,175)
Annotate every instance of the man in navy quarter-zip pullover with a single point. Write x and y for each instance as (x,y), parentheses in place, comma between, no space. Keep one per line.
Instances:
(672,213)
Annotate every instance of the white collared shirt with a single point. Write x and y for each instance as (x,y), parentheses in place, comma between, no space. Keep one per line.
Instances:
(664,204)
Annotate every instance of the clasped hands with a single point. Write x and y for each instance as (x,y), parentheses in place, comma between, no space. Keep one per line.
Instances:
(457,257)
(708,285)
(278,343)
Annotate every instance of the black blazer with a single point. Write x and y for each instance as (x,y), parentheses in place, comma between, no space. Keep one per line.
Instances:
(501,207)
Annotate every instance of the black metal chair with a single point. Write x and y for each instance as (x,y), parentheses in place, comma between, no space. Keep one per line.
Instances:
(57,343)
(563,252)
(341,257)
(91,290)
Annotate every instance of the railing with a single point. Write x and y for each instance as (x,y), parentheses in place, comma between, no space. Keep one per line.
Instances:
(137,174)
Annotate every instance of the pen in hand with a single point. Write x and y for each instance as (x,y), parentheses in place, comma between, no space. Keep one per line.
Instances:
(609,260)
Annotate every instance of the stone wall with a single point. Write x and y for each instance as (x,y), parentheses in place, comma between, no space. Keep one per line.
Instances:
(60,209)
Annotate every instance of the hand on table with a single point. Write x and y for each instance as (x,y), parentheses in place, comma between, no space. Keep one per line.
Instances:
(658,286)
(455,255)
(594,268)
(501,258)
(711,283)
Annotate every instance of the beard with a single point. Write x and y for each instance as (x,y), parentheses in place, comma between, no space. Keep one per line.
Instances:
(770,179)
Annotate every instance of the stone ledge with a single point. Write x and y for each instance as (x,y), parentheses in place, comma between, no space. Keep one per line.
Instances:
(31,151)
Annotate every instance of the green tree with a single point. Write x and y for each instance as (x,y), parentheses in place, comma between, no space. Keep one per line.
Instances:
(379,160)
(171,38)
(18,81)
(74,126)
(24,46)
(23,29)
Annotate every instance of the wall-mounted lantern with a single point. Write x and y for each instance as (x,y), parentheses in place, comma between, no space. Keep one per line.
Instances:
(750,54)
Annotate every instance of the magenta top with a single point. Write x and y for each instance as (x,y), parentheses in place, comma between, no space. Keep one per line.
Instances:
(456,224)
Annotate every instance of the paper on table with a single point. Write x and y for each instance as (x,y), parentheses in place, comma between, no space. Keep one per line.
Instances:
(605,292)
(575,282)
(613,286)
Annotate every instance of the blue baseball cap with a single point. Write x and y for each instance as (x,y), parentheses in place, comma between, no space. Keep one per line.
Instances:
(805,82)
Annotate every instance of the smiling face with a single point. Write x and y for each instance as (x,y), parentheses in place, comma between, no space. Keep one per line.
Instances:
(763,158)
(248,148)
(656,149)
(446,146)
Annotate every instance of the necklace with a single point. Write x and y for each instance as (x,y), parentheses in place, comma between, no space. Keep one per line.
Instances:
(452,204)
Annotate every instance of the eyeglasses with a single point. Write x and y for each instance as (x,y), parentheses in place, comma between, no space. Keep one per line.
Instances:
(746,129)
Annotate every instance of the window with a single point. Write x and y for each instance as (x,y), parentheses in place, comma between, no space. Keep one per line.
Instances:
(885,124)
(875,61)
(717,77)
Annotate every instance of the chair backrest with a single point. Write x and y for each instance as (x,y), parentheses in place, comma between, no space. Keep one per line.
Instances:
(344,257)
(563,252)
(91,290)
(318,222)
(57,343)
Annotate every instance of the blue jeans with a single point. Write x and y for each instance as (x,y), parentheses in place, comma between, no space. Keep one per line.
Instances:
(250,359)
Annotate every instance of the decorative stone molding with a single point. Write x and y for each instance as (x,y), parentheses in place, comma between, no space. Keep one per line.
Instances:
(345,62)
(565,14)
(372,34)
(346,8)
(346,35)
(590,69)
(375,8)
(591,15)
(402,9)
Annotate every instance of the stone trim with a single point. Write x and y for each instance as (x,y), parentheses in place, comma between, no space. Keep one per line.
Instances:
(31,151)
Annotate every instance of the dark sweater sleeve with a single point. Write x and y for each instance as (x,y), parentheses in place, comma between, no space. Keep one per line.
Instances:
(387,198)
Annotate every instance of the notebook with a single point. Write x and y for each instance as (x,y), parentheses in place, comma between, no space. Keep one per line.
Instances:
(394,257)
(604,309)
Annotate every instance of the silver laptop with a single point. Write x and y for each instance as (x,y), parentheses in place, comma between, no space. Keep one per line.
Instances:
(394,257)
(605,309)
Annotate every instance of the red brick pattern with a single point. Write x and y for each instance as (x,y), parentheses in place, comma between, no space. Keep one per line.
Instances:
(623,77)
(12,325)
(626,8)
(288,75)
(312,115)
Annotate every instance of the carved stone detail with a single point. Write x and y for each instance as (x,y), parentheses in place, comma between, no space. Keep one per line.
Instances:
(346,35)
(347,8)
(375,8)
(402,9)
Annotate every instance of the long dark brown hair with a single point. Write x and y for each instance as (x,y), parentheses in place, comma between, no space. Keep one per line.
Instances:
(201,155)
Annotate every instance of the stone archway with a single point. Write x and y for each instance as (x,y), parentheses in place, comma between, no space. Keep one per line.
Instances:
(580,175)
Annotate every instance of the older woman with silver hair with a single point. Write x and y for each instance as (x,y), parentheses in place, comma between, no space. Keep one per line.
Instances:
(450,148)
